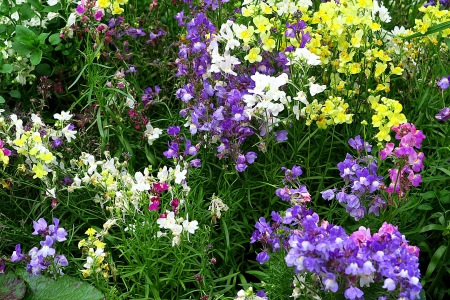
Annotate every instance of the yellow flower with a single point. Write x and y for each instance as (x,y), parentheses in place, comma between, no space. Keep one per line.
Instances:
(379,69)
(99,244)
(46,157)
(253,55)
(86,273)
(268,42)
(39,171)
(103,3)
(262,24)
(90,231)
(355,68)
(117,10)
(81,243)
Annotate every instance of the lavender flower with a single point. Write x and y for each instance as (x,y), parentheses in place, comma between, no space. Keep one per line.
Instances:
(444,114)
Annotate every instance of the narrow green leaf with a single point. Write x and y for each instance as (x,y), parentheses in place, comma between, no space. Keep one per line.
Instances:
(433,227)
(424,207)
(444,170)
(435,260)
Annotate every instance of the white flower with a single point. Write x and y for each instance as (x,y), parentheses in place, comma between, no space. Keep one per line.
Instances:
(301,96)
(141,183)
(152,133)
(304,55)
(15,16)
(69,134)
(72,19)
(52,2)
(163,174)
(316,88)
(64,116)
(36,120)
(130,102)
(176,240)
(179,175)
(191,226)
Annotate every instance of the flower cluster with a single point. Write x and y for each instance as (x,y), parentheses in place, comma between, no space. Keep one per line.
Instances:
(339,260)
(124,193)
(95,259)
(5,153)
(249,294)
(334,111)
(297,195)
(216,207)
(388,114)
(405,156)
(44,259)
(177,226)
(361,182)
(36,143)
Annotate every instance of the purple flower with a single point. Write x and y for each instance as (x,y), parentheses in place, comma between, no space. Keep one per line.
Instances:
(260,293)
(281,135)
(444,114)
(250,157)
(174,130)
(262,257)
(328,194)
(40,227)
(57,143)
(47,249)
(444,83)
(241,167)
(353,293)
(329,283)
(17,254)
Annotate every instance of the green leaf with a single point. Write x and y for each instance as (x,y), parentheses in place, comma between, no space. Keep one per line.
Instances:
(21,48)
(431,30)
(2,100)
(54,39)
(42,37)
(428,195)
(36,57)
(424,207)
(67,288)
(36,3)
(26,12)
(435,260)
(43,69)
(53,8)
(24,31)
(445,171)
(11,286)
(15,94)
(6,68)
(433,227)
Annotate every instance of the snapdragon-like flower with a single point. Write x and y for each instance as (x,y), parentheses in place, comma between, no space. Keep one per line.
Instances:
(443,115)
(39,260)
(339,260)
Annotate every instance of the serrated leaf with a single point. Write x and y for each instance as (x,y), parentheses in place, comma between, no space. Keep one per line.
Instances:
(67,288)
(54,39)
(35,57)
(6,68)
(11,286)
(15,94)
(43,69)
